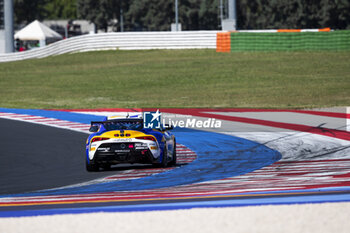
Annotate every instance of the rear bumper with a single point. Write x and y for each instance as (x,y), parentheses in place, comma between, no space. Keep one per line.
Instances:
(116,153)
(131,157)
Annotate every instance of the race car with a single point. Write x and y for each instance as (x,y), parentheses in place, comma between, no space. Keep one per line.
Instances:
(117,140)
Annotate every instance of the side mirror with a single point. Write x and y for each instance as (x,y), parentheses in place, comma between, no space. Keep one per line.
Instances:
(93,128)
(168,127)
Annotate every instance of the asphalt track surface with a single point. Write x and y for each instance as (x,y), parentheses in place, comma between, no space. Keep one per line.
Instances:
(35,157)
(59,161)
(314,168)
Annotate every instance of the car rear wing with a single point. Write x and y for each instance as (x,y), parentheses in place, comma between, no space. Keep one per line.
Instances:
(95,125)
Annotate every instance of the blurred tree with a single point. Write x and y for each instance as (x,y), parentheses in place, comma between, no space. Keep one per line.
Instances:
(28,11)
(188,14)
(334,14)
(158,15)
(61,9)
(150,15)
(267,14)
(208,15)
(100,12)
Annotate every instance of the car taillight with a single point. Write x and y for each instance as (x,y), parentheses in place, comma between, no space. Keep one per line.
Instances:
(146,138)
(96,139)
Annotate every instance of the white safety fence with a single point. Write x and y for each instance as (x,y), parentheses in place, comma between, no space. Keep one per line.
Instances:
(122,41)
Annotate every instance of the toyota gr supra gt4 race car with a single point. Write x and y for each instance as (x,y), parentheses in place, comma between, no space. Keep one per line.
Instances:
(119,140)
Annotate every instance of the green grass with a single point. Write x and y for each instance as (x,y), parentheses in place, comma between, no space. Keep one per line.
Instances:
(178,78)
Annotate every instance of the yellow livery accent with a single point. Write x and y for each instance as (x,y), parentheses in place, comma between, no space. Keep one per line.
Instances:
(126,134)
(116,117)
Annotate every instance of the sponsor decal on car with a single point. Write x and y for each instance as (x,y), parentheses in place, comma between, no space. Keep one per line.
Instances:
(122,140)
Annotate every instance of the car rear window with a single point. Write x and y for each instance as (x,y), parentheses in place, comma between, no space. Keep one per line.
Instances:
(118,125)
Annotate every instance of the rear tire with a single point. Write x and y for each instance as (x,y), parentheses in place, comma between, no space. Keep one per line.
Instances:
(165,157)
(173,161)
(92,167)
(106,167)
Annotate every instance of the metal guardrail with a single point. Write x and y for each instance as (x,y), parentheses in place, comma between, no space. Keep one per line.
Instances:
(122,41)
